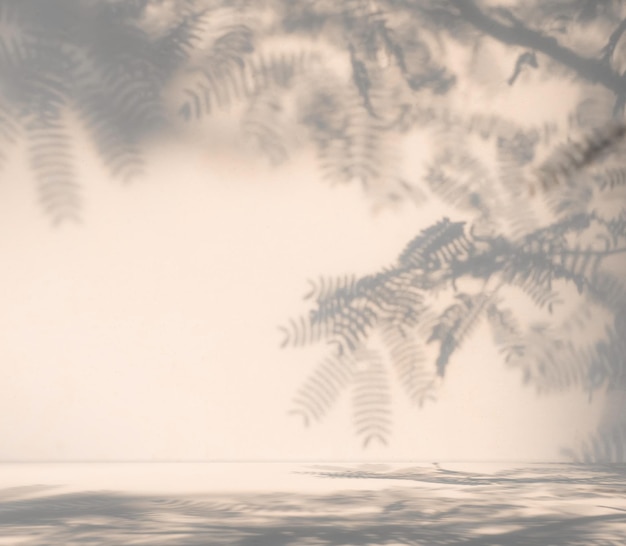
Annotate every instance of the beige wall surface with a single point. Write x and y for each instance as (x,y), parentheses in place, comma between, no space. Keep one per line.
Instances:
(149,331)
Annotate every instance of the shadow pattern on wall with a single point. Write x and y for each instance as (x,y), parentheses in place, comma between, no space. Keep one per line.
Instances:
(363,75)
(412,317)
(353,78)
(417,313)
(66,61)
(127,69)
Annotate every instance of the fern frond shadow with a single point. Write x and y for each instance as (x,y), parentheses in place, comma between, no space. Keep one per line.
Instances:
(610,179)
(323,387)
(574,157)
(355,146)
(232,71)
(455,324)
(95,62)
(391,308)
(371,399)
(437,246)
(52,162)
(9,130)
(407,353)
(552,359)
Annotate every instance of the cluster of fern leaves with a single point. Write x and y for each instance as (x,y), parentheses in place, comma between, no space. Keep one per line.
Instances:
(415,315)
(347,87)
(72,60)
(363,74)
(110,64)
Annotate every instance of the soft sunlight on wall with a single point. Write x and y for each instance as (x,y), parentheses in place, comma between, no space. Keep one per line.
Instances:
(150,331)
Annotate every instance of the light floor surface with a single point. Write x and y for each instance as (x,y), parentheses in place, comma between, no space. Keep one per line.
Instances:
(306,504)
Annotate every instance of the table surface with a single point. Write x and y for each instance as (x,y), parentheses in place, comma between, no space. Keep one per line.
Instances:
(310,503)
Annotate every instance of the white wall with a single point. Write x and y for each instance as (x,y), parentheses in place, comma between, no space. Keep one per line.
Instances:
(150,331)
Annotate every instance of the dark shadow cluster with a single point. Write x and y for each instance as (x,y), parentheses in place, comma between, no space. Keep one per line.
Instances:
(398,310)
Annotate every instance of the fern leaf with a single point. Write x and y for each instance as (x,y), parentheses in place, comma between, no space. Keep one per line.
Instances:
(16,38)
(554,361)
(353,146)
(270,81)
(506,332)
(9,129)
(278,69)
(348,310)
(132,86)
(118,102)
(607,365)
(181,40)
(40,84)
(322,389)
(396,296)
(231,72)
(516,214)
(538,288)
(545,255)
(64,64)
(264,124)
(126,67)
(371,399)
(437,246)
(351,323)
(409,358)
(578,265)
(459,179)
(354,154)
(361,80)
(570,201)
(456,323)
(325,288)
(305,331)
(573,157)
(351,312)
(608,290)
(391,295)
(548,362)
(610,178)
(52,163)
(219,79)
(116,147)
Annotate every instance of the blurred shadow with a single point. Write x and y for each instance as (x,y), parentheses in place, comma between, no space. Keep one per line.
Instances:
(111,64)
(584,507)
